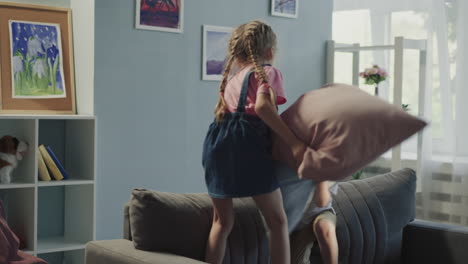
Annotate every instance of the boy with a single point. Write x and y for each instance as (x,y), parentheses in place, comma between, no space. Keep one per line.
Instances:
(318,223)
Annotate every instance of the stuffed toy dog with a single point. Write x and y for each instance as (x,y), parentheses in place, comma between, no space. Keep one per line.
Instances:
(11,151)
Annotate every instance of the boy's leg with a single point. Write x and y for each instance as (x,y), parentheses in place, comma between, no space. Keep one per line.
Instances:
(324,227)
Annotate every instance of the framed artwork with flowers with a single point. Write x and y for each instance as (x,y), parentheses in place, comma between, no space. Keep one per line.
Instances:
(36,60)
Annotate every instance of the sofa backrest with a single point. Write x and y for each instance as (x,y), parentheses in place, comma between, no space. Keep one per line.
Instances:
(296,194)
(371,215)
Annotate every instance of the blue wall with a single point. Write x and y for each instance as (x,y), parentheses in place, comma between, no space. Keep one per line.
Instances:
(152,107)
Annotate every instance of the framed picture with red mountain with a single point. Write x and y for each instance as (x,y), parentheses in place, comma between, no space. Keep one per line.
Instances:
(160,15)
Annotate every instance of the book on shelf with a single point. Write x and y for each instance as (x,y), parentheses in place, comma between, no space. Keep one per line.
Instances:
(43,172)
(57,162)
(54,170)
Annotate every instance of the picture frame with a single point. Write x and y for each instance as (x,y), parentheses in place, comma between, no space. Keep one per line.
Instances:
(160,15)
(285,8)
(36,60)
(215,47)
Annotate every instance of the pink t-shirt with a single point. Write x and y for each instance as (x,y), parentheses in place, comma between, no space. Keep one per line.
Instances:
(234,86)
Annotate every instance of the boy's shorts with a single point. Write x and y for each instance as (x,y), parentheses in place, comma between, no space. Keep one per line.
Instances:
(303,239)
(327,215)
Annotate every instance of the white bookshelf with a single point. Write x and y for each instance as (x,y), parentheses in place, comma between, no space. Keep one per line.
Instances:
(57,218)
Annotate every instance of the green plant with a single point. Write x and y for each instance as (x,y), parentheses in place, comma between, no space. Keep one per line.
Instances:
(357,175)
(405,107)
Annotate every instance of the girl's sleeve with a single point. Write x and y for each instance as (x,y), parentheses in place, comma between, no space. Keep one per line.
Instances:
(275,79)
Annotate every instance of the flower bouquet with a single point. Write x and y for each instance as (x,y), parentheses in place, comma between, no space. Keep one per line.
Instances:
(373,76)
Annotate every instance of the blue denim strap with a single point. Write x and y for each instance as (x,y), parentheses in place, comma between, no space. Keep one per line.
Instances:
(244,90)
(243,93)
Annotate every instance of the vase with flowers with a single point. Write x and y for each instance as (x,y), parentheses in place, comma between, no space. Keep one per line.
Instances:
(374,76)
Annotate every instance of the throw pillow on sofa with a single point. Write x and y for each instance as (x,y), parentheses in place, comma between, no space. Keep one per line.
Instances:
(180,224)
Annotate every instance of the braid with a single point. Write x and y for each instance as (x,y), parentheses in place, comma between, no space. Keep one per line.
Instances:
(253,29)
(248,44)
(221,105)
(259,70)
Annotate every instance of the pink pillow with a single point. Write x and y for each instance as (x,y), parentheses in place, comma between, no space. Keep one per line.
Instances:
(345,129)
(9,244)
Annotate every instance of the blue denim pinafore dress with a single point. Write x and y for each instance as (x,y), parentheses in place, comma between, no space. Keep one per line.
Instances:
(237,154)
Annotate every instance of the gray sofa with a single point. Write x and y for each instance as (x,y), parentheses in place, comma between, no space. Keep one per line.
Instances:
(374,225)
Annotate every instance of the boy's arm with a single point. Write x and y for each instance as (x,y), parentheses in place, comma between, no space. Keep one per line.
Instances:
(322,194)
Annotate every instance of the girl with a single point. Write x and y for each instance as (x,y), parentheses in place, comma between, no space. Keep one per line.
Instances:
(237,149)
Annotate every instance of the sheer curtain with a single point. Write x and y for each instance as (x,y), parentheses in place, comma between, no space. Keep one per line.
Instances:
(443,175)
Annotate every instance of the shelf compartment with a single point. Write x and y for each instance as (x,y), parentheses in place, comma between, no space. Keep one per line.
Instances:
(64,182)
(25,130)
(57,244)
(65,217)
(19,208)
(68,117)
(16,185)
(64,257)
(73,143)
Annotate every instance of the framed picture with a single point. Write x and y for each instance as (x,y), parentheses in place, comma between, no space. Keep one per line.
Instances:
(36,60)
(160,15)
(215,46)
(285,8)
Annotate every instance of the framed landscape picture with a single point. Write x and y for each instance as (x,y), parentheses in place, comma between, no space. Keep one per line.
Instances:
(215,46)
(285,8)
(160,15)
(36,60)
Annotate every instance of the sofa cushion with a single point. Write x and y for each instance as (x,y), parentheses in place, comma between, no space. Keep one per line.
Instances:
(170,222)
(180,224)
(345,129)
(122,251)
(371,215)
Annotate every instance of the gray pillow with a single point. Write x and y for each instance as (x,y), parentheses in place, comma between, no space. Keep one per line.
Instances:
(180,224)
(371,215)
(170,222)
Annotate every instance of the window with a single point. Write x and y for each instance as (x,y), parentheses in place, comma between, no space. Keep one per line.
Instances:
(360,26)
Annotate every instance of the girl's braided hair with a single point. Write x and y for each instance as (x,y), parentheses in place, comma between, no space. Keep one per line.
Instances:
(249,43)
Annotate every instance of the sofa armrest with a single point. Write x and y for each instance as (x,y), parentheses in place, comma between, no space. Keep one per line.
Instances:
(127,233)
(430,242)
(122,251)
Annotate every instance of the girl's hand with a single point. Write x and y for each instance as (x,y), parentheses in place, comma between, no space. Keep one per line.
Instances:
(298,151)
(268,113)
